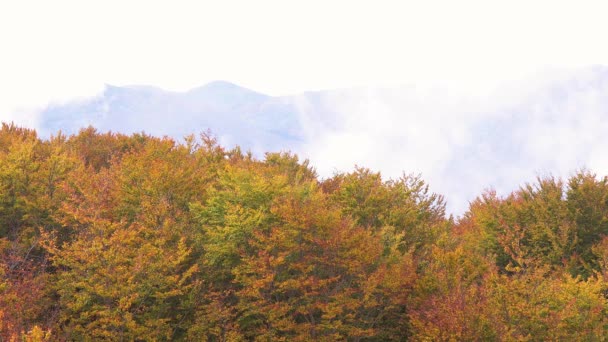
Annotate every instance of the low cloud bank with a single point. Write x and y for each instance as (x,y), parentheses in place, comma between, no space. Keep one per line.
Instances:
(554,123)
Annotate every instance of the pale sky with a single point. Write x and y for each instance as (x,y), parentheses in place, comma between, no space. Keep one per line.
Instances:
(56,50)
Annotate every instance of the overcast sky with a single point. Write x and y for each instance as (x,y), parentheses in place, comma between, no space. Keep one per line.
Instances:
(60,49)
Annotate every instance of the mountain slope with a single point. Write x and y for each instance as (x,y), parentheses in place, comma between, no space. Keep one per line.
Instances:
(236,115)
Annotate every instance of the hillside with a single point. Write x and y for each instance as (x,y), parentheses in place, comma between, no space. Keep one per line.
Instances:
(105,236)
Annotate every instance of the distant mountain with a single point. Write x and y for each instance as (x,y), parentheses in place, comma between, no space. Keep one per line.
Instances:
(461,143)
(235,114)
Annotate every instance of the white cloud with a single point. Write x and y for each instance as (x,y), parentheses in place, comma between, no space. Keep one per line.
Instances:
(554,123)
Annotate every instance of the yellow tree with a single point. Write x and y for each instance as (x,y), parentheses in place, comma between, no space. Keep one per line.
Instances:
(128,271)
(285,264)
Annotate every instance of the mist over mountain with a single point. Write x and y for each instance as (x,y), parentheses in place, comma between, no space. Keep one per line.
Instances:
(238,116)
(460,142)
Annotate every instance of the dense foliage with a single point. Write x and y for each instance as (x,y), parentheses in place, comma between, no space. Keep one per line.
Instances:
(111,237)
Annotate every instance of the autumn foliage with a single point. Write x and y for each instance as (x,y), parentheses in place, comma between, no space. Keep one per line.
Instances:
(105,236)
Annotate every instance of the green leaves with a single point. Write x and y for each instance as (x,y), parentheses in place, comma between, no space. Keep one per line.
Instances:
(547,223)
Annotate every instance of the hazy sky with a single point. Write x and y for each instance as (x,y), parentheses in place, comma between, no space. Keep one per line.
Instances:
(60,49)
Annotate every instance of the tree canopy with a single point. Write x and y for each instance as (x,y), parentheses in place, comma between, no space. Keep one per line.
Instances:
(105,236)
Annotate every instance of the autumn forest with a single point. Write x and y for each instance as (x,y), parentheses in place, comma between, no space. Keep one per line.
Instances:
(105,236)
